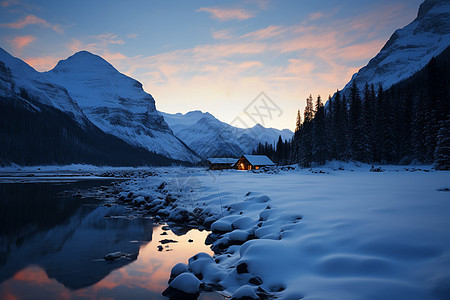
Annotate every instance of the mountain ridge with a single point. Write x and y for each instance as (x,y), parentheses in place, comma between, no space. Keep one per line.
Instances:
(209,136)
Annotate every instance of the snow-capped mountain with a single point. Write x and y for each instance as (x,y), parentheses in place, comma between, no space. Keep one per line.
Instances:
(409,49)
(209,137)
(116,122)
(25,78)
(117,104)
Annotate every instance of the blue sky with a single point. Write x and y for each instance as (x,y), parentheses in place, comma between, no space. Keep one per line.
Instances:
(214,56)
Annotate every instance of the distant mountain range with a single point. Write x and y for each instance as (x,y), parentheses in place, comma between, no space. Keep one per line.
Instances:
(85,111)
(210,137)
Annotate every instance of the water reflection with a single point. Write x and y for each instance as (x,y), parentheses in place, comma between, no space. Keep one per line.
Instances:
(51,245)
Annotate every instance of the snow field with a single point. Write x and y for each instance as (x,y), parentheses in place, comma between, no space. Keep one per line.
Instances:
(333,235)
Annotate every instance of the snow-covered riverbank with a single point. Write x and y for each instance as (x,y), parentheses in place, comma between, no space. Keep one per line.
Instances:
(312,234)
(340,234)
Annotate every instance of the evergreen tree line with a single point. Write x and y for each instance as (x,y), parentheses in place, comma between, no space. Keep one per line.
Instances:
(407,122)
(278,153)
(49,136)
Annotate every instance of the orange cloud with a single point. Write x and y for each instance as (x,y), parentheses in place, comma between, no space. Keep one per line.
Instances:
(227,14)
(32,20)
(20,42)
(360,51)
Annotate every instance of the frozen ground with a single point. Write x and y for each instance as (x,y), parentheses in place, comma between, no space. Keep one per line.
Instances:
(323,233)
(340,234)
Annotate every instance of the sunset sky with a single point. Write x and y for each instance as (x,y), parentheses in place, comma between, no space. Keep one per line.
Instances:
(214,56)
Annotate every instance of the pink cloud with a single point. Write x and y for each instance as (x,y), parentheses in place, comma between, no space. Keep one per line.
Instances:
(20,42)
(226,50)
(42,64)
(316,15)
(360,51)
(265,33)
(262,4)
(378,17)
(249,64)
(75,45)
(8,3)
(109,38)
(32,20)
(222,34)
(96,43)
(227,14)
(132,35)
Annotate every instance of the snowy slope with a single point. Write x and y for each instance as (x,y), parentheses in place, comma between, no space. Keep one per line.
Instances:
(211,137)
(117,104)
(409,49)
(36,84)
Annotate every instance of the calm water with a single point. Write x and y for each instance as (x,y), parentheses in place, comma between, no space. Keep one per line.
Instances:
(52,245)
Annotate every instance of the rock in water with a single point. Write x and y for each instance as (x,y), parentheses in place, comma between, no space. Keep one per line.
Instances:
(177,270)
(114,256)
(184,286)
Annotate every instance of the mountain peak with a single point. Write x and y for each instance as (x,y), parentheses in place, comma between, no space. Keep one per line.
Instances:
(85,61)
(409,49)
(19,67)
(427,5)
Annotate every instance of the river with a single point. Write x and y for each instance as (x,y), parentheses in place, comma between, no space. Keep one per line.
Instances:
(52,245)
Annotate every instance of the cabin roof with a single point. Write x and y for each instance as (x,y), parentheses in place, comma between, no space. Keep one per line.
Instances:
(222,160)
(259,160)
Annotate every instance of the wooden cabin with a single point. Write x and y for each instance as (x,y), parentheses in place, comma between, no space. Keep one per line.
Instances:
(253,162)
(221,163)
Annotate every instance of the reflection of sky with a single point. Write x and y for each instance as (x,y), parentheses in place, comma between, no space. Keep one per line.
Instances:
(144,278)
(215,56)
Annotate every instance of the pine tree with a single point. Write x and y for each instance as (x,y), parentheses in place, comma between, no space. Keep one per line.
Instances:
(295,143)
(356,140)
(319,136)
(388,128)
(442,152)
(368,124)
(279,150)
(418,129)
(305,153)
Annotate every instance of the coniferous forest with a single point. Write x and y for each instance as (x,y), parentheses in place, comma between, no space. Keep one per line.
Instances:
(408,122)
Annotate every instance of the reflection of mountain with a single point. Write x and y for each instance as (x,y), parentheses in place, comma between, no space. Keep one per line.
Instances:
(66,238)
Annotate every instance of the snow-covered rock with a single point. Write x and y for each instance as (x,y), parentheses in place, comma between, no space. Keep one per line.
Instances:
(177,270)
(245,292)
(186,283)
(210,137)
(409,49)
